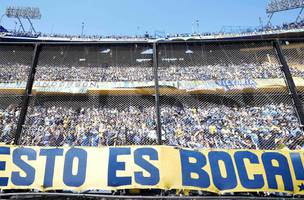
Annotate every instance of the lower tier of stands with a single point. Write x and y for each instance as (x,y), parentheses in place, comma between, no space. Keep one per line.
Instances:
(234,122)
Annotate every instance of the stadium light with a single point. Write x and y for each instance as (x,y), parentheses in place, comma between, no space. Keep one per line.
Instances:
(282,5)
(27,13)
(275,6)
(23,12)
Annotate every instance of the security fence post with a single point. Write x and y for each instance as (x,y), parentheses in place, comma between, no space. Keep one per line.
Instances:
(157,101)
(27,94)
(290,83)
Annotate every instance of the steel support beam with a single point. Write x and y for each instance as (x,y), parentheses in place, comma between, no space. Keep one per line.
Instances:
(27,94)
(31,24)
(157,99)
(290,83)
(21,25)
(269,19)
(299,15)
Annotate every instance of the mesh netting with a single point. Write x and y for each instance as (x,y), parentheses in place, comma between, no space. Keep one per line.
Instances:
(212,95)
(15,61)
(92,95)
(224,95)
(294,54)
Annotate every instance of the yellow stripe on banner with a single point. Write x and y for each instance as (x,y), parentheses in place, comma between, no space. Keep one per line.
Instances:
(151,167)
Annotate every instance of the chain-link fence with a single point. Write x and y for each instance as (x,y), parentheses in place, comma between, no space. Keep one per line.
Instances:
(225,95)
(92,95)
(293,51)
(294,54)
(15,62)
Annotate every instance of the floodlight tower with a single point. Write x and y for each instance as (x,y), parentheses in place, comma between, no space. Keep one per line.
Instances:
(275,6)
(28,13)
(195,26)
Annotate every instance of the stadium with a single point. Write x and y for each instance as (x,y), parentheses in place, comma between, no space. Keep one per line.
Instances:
(198,116)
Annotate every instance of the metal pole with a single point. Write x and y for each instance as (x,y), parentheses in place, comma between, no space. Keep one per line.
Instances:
(157,101)
(269,19)
(290,83)
(299,15)
(82,28)
(197,26)
(28,92)
(31,24)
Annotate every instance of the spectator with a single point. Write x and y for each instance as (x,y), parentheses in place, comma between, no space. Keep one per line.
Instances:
(272,126)
(15,73)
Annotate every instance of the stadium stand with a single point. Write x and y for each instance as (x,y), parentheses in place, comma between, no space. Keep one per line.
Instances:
(203,114)
(212,95)
(275,30)
(254,120)
(15,73)
(272,126)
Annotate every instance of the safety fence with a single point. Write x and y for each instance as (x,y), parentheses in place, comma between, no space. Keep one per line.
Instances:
(197,94)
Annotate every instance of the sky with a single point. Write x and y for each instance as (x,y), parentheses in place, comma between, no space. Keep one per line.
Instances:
(135,17)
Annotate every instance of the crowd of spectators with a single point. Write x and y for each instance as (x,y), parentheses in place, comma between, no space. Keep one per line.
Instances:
(8,122)
(89,126)
(218,126)
(272,126)
(95,74)
(14,73)
(224,72)
(285,26)
(243,31)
